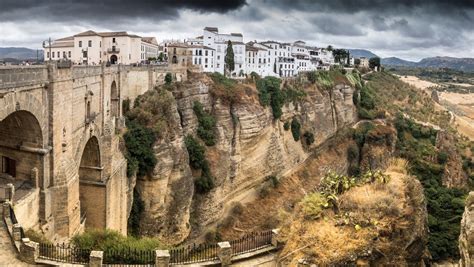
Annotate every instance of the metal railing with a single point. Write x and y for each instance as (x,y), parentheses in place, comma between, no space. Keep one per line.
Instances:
(194,254)
(64,253)
(129,256)
(251,242)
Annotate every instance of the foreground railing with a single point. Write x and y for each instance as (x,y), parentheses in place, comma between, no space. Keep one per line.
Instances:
(251,242)
(64,253)
(194,254)
(223,252)
(129,256)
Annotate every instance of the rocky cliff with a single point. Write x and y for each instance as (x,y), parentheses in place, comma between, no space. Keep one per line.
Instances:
(466,238)
(250,146)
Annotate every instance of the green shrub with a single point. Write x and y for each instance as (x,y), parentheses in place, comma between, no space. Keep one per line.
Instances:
(445,205)
(37,237)
(273,179)
(206,126)
(270,94)
(196,152)
(286,125)
(237,208)
(205,182)
(109,240)
(197,160)
(353,153)
(308,138)
(295,129)
(312,76)
(139,141)
(442,157)
(313,205)
(168,78)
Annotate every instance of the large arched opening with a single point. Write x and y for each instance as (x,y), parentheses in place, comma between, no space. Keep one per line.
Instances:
(91,188)
(114,100)
(21,152)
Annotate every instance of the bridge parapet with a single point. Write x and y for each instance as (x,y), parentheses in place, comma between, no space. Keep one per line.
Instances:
(20,76)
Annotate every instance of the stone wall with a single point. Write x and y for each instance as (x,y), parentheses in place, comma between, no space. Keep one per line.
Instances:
(48,115)
(466,238)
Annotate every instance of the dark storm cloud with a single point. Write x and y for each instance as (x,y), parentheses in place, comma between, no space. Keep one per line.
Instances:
(55,10)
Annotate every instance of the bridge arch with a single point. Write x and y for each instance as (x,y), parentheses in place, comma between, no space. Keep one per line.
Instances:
(21,148)
(91,188)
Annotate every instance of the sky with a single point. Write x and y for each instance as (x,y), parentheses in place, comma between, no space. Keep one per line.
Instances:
(409,29)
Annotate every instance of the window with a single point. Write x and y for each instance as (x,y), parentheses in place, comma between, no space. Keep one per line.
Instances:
(9,166)
(218,57)
(48,55)
(206,52)
(64,54)
(113,40)
(69,54)
(59,55)
(90,43)
(80,43)
(84,53)
(100,44)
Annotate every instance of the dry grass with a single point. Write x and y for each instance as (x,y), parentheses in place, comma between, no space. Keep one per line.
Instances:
(364,213)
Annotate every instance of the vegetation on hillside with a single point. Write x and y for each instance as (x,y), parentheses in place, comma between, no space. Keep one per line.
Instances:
(347,214)
(206,124)
(197,160)
(112,241)
(393,95)
(445,205)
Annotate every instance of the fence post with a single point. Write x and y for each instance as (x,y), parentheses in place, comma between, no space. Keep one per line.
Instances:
(29,251)
(16,232)
(162,258)
(225,253)
(96,258)
(275,237)
(6,210)
(11,189)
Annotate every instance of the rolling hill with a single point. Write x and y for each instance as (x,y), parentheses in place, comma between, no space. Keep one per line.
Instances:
(19,53)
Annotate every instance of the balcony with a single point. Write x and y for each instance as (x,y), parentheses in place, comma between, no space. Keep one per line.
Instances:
(113,50)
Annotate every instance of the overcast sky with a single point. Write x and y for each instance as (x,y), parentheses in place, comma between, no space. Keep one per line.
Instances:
(410,29)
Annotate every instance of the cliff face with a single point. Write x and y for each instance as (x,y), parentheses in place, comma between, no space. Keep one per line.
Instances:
(453,175)
(376,225)
(250,145)
(466,238)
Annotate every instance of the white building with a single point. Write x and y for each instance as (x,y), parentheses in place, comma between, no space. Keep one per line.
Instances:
(259,59)
(94,48)
(215,44)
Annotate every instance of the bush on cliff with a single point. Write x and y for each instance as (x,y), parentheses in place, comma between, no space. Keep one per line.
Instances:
(198,161)
(295,129)
(445,205)
(270,94)
(206,124)
(139,141)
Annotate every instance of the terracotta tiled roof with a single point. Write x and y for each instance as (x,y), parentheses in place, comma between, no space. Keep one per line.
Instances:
(62,44)
(69,38)
(107,34)
(236,34)
(211,29)
(150,40)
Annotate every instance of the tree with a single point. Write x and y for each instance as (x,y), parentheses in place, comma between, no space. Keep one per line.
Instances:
(229,58)
(357,61)
(329,48)
(340,55)
(374,62)
(168,78)
(161,57)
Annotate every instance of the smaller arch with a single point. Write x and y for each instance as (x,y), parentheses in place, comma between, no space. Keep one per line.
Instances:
(113,59)
(90,166)
(114,100)
(175,60)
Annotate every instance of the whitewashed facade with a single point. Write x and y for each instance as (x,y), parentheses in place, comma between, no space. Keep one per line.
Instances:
(91,48)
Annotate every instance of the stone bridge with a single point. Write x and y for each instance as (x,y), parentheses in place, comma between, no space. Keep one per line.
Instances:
(60,143)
